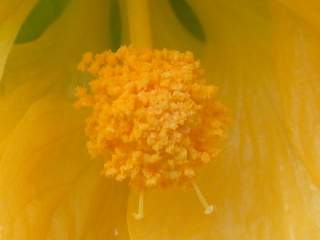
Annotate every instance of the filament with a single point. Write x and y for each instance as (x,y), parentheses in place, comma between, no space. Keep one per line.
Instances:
(140,213)
(208,209)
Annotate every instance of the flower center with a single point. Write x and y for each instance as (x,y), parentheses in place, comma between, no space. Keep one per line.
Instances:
(154,118)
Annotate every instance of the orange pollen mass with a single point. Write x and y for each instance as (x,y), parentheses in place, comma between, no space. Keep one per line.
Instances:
(154,117)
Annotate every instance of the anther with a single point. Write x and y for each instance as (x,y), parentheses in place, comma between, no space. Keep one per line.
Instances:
(140,214)
(208,209)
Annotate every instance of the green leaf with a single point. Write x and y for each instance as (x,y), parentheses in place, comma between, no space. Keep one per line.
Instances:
(115,25)
(40,18)
(188,18)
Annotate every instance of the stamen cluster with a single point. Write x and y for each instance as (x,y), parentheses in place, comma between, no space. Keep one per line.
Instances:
(154,117)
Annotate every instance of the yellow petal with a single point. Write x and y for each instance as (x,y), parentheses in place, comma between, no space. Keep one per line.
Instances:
(49,187)
(308,11)
(12,14)
(54,56)
(265,183)
(167,31)
(49,63)
(297,54)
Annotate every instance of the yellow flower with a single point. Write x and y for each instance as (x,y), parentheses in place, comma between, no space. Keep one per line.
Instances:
(263,56)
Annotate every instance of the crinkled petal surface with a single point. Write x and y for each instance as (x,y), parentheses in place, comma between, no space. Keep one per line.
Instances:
(49,187)
(265,185)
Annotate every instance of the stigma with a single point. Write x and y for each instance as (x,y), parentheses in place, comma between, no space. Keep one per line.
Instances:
(154,118)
